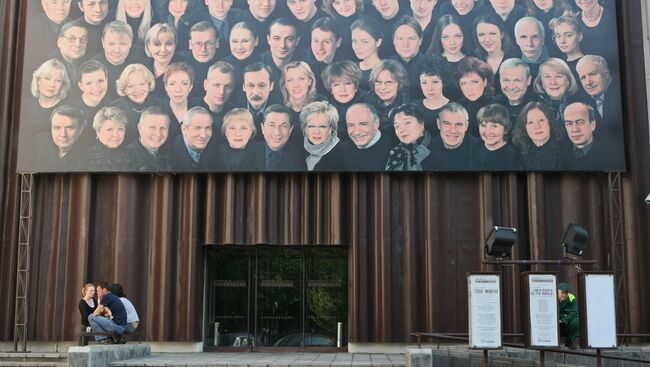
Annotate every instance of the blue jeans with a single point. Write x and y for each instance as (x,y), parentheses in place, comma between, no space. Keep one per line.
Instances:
(101,323)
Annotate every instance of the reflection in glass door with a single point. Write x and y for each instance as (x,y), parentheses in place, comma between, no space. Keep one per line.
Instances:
(275,297)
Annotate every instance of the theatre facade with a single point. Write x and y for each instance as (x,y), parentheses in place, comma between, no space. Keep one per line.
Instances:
(239,258)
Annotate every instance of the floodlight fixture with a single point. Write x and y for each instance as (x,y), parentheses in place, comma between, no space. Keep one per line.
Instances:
(500,240)
(574,241)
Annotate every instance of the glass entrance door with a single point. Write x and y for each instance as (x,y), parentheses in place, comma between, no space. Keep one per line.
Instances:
(275,297)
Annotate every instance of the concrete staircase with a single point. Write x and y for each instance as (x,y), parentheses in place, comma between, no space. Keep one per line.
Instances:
(11,359)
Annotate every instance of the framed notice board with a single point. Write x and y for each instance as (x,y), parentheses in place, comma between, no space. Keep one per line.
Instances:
(484,297)
(540,309)
(597,308)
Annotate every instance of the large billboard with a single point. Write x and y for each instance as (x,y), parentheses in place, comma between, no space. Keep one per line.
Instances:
(311,85)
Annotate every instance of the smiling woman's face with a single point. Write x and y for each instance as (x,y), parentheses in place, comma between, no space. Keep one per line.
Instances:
(137,88)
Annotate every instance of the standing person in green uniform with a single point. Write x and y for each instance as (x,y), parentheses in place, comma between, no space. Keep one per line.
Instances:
(569,323)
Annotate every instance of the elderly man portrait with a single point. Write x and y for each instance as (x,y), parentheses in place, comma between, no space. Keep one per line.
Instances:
(71,47)
(46,26)
(586,152)
(596,81)
(529,36)
(275,150)
(190,150)
(58,149)
(146,152)
(515,81)
(283,40)
(367,149)
(454,149)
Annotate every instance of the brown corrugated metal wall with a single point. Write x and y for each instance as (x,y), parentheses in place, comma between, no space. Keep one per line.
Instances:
(411,236)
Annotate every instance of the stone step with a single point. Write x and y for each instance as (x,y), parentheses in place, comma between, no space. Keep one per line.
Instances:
(266,360)
(33,359)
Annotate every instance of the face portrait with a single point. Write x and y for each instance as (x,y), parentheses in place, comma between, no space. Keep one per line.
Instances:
(218,88)
(537,127)
(343,90)
(276,130)
(56,10)
(472,86)
(422,9)
(544,5)
(257,86)
(407,42)
(178,87)
(162,48)
(177,8)
(361,127)
(72,43)
(93,87)
(95,11)
(134,8)
(453,126)
(242,43)
(261,9)
(282,41)
(493,134)
(554,82)
(324,45)
(297,83)
(345,8)
(137,88)
(407,128)
(529,40)
(111,134)
(198,133)
(116,47)
(50,84)
(431,86)
(219,8)
(153,131)
(65,131)
(317,128)
(579,127)
(89,292)
(303,10)
(363,44)
(489,37)
(586,5)
(239,132)
(567,38)
(463,7)
(386,8)
(502,7)
(514,83)
(451,39)
(592,79)
(204,45)
(386,86)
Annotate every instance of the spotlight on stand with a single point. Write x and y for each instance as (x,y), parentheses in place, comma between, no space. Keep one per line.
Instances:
(499,241)
(574,241)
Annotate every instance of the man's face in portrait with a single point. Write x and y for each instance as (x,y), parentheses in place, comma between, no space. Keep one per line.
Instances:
(261,9)
(579,127)
(361,126)
(593,79)
(199,131)
(219,8)
(386,8)
(218,88)
(65,131)
(276,129)
(95,11)
(116,47)
(56,10)
(530,41)
(257,86)
(303,10)
(204,45)
(324,45)
(153,131)
(514,83)
(72,43)
(453,126)
(282,40)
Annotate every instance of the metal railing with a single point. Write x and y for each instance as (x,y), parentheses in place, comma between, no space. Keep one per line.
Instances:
(598,355)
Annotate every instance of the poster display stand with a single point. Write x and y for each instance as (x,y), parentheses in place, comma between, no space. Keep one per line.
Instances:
(540,310)
(484,297)
(597,310)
